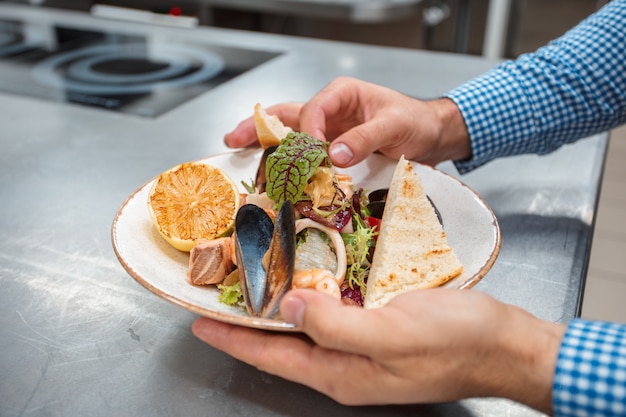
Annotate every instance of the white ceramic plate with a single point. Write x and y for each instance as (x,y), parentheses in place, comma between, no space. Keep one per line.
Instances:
(470,225)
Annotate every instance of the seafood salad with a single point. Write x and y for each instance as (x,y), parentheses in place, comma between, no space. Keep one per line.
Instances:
(301,224)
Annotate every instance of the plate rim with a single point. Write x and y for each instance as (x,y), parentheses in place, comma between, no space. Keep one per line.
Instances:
(486,267)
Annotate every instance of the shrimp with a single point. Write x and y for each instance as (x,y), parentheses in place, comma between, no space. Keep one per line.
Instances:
(321,279)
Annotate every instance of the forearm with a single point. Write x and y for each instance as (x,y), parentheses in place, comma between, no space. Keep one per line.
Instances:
(567,90)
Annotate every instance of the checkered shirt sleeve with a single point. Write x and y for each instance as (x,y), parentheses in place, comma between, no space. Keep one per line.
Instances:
(590,377)
(572,88)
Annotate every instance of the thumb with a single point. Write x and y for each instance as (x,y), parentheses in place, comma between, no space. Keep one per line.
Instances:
(356,144)
(295,304)
(330,322)
(351,147)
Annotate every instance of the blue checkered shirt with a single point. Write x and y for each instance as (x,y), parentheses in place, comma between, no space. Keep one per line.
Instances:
(570,89)
(590,377)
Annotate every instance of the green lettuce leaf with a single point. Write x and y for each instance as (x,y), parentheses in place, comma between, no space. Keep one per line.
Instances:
(292,164)
(231,294)
(358,245)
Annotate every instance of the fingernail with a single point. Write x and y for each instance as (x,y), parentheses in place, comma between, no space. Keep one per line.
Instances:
(340,153)
(292,310)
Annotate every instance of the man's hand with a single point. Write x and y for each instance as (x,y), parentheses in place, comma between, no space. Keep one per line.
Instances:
(359,118)
(425,346)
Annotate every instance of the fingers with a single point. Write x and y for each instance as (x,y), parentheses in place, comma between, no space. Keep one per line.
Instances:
(336,104)
(245,133)
(288,113)
(263,350)
(359,118)
(292,356)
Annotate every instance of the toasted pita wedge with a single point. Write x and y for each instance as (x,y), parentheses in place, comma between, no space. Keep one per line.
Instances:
(412,251)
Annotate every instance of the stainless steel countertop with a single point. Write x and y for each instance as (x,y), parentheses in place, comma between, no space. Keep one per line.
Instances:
(79,337)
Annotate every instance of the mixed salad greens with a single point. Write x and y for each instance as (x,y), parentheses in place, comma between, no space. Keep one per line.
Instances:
(300,170)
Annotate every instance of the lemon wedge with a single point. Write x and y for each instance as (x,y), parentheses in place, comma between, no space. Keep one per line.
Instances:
(269,129)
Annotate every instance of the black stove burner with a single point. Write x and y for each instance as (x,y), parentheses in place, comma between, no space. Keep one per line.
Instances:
(166,67)
(11,39)
(118,72)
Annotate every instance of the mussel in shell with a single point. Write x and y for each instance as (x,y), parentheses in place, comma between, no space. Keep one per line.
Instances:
(265,254)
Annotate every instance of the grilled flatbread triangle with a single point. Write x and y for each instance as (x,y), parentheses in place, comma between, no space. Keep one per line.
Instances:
(412,251)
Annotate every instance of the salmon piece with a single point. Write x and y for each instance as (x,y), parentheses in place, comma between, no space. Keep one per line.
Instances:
(210,261)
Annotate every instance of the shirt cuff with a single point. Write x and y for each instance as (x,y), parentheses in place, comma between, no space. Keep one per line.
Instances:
(590,376)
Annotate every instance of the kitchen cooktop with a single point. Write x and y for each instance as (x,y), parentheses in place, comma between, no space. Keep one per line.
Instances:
(130,73)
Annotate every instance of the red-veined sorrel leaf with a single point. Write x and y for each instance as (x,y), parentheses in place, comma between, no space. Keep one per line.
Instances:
(292,165)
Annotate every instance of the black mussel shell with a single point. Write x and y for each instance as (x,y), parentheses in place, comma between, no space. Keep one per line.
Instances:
(282,259)
(253,234)
(261,175)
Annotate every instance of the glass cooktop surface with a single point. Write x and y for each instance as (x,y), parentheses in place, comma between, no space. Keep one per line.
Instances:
(134,74)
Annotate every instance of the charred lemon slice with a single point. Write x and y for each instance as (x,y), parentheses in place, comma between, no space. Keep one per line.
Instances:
(193,201)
